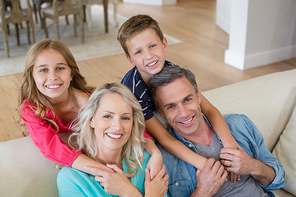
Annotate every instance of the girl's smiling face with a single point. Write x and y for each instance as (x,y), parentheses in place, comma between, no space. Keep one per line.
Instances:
(52,74)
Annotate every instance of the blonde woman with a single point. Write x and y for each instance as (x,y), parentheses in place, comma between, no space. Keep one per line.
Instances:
(109,129)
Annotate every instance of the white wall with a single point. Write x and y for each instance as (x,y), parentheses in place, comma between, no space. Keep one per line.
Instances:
(223,12)
(261,32)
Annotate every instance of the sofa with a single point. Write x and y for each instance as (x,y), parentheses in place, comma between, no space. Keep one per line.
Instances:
(267,100)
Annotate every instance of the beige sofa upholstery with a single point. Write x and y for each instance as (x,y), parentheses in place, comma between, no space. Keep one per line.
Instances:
(268,101)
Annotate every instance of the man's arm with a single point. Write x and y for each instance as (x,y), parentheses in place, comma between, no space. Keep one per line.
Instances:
(263,173)
(210,180)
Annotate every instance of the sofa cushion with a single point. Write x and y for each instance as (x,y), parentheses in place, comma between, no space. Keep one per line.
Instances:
(24,171)
(285,153)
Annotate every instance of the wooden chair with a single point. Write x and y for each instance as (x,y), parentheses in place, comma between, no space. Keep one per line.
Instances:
(64,8)
(7,6)
(37,6)
(16,15)
(89,3)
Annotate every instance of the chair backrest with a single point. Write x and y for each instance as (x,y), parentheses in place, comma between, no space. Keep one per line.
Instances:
(16,13)
(67,7)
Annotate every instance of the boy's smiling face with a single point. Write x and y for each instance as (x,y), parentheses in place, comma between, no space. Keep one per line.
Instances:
(147,53)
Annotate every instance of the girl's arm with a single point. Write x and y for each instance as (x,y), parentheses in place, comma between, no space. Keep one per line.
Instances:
(217,121)
(46,138)
(82,162)
(173,145)
(155,162)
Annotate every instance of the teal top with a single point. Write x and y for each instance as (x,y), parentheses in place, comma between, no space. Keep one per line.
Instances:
(72,182)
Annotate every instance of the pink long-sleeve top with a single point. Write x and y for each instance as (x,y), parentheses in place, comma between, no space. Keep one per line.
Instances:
(45,136)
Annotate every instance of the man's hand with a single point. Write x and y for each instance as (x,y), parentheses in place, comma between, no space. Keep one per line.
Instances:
(232,144)
(239,162)
(210,180)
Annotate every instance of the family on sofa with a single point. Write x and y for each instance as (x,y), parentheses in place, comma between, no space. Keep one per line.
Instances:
(107,150)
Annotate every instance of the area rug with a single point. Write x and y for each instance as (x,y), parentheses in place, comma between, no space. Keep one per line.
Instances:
(97,42)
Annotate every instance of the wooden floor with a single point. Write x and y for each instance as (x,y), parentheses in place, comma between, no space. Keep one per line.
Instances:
(202,51)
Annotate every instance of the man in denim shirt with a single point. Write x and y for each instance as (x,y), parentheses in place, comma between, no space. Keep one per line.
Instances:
(176,97)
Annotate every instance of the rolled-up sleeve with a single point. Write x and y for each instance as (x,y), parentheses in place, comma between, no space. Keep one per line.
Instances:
(253,143)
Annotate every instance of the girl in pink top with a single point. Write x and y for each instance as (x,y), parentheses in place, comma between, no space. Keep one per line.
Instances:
(51,94)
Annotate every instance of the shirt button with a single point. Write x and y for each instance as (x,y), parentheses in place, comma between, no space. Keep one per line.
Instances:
(190,145)
(177,184)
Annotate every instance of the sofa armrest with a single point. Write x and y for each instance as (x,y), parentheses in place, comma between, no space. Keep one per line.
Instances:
(25,171)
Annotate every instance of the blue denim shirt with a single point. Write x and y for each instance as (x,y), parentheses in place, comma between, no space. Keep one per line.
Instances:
(182,176)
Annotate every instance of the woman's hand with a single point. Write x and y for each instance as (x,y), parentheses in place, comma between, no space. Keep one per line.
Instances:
(116,182)
(157,186)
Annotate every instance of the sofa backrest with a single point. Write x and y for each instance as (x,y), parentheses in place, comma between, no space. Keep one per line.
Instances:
(268,101)
(24,171)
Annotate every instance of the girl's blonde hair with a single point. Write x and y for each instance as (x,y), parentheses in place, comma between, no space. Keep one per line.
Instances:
(28,89)
(84,139)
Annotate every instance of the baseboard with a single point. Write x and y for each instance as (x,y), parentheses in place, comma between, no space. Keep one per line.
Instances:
(259,59)
(223,23)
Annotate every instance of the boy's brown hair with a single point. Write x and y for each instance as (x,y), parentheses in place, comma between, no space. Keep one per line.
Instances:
(134,25)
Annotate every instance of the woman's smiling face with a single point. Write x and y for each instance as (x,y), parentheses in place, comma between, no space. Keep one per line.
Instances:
(112,122)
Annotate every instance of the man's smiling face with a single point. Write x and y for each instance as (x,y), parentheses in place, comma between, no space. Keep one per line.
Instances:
(180,105)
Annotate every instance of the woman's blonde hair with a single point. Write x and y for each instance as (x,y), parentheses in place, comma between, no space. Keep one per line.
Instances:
(28,89)
(84,139)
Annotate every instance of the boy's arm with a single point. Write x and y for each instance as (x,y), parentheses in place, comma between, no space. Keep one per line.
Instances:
(173,145)
(217,121)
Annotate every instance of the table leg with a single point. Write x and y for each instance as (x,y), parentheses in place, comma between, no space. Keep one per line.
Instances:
(105,4)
